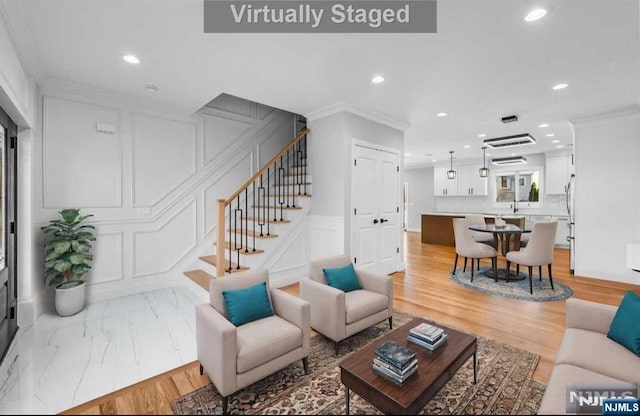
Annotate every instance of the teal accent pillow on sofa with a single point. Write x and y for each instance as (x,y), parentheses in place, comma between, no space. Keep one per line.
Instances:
(343,278)
(625,327)
(248,304)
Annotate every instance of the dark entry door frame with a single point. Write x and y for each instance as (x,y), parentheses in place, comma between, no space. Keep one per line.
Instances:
(8,227)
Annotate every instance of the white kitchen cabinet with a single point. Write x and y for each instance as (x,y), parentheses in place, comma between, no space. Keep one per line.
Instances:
(469,181)
(443,186)
(557,173)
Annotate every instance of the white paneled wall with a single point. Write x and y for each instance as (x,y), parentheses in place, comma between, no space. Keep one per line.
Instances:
(150,178)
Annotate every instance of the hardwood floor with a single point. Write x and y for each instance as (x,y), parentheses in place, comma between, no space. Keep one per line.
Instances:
(423,289)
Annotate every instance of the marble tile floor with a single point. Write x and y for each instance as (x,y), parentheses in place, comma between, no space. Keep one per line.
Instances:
(59,362)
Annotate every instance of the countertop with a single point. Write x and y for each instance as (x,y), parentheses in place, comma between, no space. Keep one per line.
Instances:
(495,214)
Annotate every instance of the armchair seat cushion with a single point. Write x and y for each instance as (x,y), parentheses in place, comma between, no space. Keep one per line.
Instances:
(263,340)
(360,304)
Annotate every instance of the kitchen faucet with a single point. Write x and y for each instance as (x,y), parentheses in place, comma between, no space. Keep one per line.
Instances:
(514,206)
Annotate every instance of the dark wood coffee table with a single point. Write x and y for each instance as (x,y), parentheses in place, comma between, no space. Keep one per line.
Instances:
(434,370)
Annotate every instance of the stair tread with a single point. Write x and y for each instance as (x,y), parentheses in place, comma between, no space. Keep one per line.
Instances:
(200,277)
(274,207)
(213,260)
(250,252)
(292,195)
(250,233)
(270,220)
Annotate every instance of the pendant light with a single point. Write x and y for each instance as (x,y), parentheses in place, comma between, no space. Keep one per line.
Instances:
(484,171)
(451,174)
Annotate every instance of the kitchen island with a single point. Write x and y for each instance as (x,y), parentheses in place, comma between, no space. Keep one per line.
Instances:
(437,227)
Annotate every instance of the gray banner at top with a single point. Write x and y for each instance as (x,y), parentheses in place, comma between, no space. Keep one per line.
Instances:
(320,16)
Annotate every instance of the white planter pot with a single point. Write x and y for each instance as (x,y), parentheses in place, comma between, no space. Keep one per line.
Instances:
(70,298)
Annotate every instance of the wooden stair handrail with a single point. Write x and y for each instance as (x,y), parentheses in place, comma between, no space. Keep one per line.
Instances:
(273,160)
(222,203)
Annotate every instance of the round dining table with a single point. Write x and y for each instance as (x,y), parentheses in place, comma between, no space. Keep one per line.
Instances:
(502,235)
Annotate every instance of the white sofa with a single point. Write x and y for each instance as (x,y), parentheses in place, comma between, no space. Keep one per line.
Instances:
(586,356)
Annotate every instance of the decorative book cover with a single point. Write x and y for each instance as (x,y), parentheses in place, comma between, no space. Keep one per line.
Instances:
(380,363)
(395,354)
(430,347)
(427,331)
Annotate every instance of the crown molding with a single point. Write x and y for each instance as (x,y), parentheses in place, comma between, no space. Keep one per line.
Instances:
(343,106)
(625,113)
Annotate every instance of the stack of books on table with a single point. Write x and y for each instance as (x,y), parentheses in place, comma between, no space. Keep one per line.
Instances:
(427,336)
(395,362)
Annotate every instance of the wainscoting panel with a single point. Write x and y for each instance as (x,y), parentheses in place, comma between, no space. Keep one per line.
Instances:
(326,236)
(289,263)
(222,188)
(220,133)
(164,157)
(107,258)
(82,155)
(157,251)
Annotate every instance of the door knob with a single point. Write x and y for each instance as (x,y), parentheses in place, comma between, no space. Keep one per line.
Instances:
(383,220)
(375,221)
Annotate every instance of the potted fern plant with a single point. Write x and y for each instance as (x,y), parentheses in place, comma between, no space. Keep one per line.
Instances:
(67,244)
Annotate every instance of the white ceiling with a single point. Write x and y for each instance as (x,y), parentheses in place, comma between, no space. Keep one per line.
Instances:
(485,62)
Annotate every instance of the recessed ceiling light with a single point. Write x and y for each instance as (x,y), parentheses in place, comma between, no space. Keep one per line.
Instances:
(131,59)
(560,86)
(377,79)
(551,134)
(434,160)
(407,154)
(555,141)
(535,14)
(559,146)
(488,154)
(466,146)
(443,114)
(482,136)
(513,154)
(151,88)
(544,125)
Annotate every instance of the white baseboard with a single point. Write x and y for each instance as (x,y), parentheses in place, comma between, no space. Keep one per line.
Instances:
(604,275)
(26,313)
(413,230)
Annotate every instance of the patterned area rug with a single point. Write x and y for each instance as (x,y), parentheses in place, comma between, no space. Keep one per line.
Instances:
(515,289)
(504,384)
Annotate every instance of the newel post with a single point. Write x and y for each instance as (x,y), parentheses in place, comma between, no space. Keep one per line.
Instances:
(220,245)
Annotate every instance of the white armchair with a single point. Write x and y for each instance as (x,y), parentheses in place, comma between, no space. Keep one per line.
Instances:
(337,314)
(235,357)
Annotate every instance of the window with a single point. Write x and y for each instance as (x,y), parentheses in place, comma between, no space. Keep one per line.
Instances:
(521,186)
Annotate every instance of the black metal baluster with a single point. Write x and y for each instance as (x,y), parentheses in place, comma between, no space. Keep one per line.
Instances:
(300,167)
(261,208)
(246,221)
(305,164)
(268,196)
(230,246)
(236,246)
(280,176)
(286,179)
(253,210)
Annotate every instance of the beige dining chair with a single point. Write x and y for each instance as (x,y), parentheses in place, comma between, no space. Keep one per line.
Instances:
(468,248)
(538,252)
(479,236)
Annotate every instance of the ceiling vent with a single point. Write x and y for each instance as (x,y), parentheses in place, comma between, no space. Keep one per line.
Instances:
(513,160)
(510,141)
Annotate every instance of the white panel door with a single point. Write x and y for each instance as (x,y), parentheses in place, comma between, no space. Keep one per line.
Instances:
(376,191)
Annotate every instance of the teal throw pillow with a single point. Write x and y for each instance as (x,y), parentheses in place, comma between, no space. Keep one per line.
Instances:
(343,278)
(625,327)
(248,304)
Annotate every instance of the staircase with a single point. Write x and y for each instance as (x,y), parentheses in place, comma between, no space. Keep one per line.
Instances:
(257,217)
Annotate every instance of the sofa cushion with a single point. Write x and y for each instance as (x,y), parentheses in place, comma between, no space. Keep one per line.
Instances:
(343,278)
(362,303)
(264,340)
(247,304)
(625,327)
(595,352)
(554,400)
